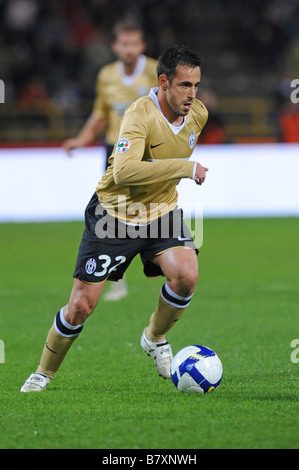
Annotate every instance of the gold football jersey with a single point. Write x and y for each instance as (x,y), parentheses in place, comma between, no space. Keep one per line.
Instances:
(115,91)
(148,160)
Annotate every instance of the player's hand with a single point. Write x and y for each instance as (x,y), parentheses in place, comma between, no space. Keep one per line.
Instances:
(70,144)
(200,173)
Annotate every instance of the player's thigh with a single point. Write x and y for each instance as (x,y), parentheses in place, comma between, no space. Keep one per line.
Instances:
(180,266)
(106,250)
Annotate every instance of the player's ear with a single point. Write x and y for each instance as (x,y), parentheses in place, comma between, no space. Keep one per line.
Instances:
(163,82)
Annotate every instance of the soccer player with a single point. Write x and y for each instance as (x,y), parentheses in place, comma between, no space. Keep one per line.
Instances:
(134,211)
(118,85)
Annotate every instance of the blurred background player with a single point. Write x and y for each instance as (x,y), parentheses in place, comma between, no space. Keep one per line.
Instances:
(119,84)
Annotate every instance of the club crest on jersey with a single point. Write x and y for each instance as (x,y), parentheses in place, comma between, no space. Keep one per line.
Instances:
(122,145)
(192,140)
(90,266)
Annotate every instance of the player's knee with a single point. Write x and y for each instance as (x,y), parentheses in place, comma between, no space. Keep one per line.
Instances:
(189,280)
(186,278)
(80,309)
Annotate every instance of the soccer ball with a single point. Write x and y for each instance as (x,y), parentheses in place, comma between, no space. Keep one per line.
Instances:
(196,369)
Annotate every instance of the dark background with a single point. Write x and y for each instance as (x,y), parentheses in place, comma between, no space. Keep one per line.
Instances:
(51,52)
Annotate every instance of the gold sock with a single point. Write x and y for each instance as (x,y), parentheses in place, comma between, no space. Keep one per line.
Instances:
(163,318)
(59,340)
(54,352)
(169,310)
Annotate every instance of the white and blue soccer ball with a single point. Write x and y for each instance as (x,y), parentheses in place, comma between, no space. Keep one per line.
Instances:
(196,369)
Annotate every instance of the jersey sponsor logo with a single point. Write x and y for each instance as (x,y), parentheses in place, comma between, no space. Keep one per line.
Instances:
(122,145)
(157,145)
(90,266)
(192,140)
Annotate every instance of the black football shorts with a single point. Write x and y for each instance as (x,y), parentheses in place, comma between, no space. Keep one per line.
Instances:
(108,246)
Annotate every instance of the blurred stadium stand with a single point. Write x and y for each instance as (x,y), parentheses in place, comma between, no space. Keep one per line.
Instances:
(51,52)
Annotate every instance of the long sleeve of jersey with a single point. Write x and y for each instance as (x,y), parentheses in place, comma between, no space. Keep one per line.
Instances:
(135,166)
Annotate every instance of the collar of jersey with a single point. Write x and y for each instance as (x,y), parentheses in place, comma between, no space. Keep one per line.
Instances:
(128,80)
(154,97)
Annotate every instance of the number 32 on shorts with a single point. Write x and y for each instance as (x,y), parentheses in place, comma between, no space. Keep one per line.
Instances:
(106,262)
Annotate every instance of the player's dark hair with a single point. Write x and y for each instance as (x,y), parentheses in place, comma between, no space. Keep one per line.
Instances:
(174,56)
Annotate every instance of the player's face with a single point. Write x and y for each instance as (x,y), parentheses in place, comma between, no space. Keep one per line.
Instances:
(182,90)
(128,46)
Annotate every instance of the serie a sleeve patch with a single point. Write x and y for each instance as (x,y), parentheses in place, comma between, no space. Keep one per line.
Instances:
(122,145)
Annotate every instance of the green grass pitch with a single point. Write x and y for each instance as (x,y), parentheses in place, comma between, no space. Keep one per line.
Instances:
(107,394)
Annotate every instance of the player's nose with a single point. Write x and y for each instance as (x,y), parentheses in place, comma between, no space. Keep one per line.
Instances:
(192,93)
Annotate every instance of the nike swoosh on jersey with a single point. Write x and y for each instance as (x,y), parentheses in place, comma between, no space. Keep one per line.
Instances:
(157,145)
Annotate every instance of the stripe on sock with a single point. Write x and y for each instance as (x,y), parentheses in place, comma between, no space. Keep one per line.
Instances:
(64,328)
(174,299)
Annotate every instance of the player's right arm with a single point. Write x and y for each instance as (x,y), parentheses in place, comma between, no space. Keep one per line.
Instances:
(129,168)
(93,127)
(199,173)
